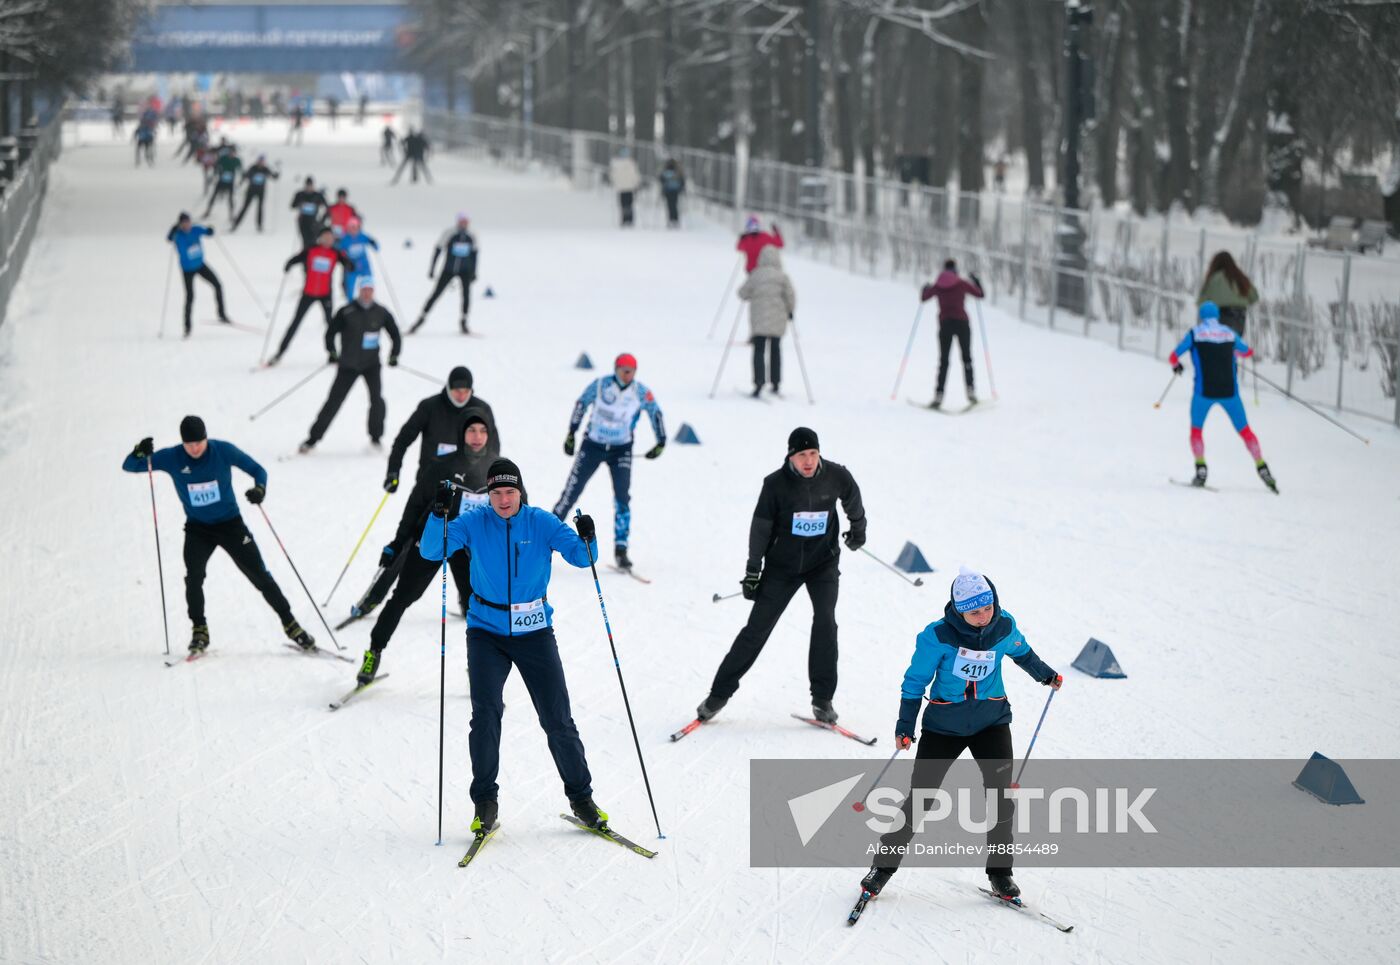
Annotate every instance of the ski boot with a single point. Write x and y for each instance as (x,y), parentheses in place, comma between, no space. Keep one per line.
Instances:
(709,707)
(1004,887)
(418,324)
(586,811)
(776,394)
(875,880)
(485,820)
(306,446)
(369,667)
(376,445)
(465,329)
(1268,477)
(1200,478)
(620,556)
(937,402)
(298,636)
(757,390)
(971,398)
(199,639)
(823,711)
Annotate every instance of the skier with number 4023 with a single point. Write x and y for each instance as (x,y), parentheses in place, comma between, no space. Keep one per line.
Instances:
(957,665)
(793,543)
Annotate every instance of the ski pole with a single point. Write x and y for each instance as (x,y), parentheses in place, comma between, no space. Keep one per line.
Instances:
(311,599)
(160,566)
(289,392)
(422,375)
(272,320)
(908,348)
(1162,398)
(986,351)
(1031,746)
(719,309)
(592,565)
(728,596)
(859,804)
(1254,364)
(442,676)
(384,269)
(917,581)
(1308,405)
(355,550)
(797,344)
(724,356)
(165,299)
(241,277)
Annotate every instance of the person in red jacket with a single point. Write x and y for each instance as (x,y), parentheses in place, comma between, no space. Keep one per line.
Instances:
(319,261)
(752,241)
(341,212)
(951,290)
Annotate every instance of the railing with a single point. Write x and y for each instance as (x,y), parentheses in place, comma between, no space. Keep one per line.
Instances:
(22,198)
(1327,326)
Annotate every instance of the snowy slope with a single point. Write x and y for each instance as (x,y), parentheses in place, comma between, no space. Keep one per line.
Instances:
(219,813)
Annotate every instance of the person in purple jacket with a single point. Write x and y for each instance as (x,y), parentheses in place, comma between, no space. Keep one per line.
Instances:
(951,291)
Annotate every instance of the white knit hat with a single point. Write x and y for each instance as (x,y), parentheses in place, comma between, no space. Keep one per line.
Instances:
(971,591)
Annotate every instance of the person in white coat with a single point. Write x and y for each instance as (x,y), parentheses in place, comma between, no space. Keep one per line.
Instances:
(626,179)
(768,290)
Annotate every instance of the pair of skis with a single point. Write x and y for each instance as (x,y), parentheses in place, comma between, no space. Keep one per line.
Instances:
(1015,903)
(194,655)
(479,839)
(834,728)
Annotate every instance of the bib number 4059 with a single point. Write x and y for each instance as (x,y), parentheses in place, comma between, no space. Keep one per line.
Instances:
(809,524)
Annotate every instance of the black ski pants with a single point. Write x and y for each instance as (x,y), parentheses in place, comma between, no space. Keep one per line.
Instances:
(203,271)
(949,329)
(936,753)
(232,536)
(221,189)
(254,194)
(415,575)
(775,592)
(773,372)
(625,198)
(418,163)
(673,207)
(345,380)
(443,280)
(308,227)
(303,304)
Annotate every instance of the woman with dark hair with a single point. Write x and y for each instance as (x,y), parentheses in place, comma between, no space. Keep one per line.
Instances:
(1230,288)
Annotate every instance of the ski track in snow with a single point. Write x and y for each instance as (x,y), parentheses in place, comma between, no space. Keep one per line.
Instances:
(217,812)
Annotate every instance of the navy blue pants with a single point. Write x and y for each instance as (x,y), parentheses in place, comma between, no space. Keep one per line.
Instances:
(590,456)
(489,659)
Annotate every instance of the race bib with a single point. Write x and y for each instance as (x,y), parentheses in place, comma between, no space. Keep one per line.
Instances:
(370,340)
(474,499)
(226,176)
(809,524)
(446,449)
(308,208)
(320,263)
(460,249)
(194,250)
(203,494)
(525,617)
(356,251)
(258,179)
(974,665)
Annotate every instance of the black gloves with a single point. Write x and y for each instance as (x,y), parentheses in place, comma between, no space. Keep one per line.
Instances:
(144,448)
(749,584)
(586,530)
(655,450)
(386,558)
(1178,368)
(855,538)
(569,444)
(391,483)
(255,495)
(442,499)
(975,280)
(393,361)
(333,357)
(1055,680)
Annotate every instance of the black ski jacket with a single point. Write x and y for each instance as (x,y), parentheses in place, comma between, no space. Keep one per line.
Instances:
(360,330)
(441,424)
(795,528)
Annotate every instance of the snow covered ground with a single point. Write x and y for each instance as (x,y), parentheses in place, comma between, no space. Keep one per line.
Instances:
(218,813)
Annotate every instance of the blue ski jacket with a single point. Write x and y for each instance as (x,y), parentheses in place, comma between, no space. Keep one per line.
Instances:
(188,246)
(205,484)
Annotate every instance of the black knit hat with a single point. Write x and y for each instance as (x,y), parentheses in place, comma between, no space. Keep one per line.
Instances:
(192,429)
(503,473)
(460,378)
(802,439)
(475,417)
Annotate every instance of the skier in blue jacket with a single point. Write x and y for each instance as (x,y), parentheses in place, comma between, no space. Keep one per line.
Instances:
(201,469)
(356,244)
(957,664)
(185,236)
(510,623)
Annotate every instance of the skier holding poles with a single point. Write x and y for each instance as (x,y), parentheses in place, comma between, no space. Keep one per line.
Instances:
(951,291)
(459,263)
(319,263)
(959,657)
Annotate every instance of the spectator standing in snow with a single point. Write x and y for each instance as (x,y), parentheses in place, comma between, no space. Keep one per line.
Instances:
(626,179)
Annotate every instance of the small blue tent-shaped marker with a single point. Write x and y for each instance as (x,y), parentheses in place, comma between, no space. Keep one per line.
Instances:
(1097,660)
(686,436)
(1325,780)
(910,560)
(584,362)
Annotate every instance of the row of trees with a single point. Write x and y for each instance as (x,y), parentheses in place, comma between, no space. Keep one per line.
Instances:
(1221,104)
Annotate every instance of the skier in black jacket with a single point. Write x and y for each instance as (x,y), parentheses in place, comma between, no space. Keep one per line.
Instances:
(310,205)
(460,263)
(793,543)
(256,178)
(359,325)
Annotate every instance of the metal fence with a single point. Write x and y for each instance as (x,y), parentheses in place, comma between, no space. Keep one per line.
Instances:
(1327,326)
(22,198)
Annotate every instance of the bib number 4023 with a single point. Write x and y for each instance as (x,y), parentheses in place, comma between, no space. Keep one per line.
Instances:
(527,616)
